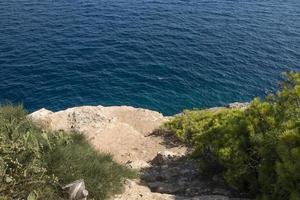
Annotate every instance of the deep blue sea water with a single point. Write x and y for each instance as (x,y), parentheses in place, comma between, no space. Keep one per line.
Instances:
(165,55)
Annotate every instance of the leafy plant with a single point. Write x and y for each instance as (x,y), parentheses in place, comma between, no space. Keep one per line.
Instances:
(21,167)
(78,159)
(256,149)
(35,163)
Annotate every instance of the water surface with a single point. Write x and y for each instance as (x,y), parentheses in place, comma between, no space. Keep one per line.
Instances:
(165,55)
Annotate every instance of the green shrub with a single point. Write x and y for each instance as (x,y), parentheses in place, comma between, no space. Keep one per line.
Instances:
(21,167)
(101,175)
(34,164)
(256,149)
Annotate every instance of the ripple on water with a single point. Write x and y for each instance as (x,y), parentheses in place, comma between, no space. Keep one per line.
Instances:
(159,54)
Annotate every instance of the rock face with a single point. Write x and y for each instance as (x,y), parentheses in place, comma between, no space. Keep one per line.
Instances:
(172,176)
(125,133)
(135,191)
(121,131)
(172,173)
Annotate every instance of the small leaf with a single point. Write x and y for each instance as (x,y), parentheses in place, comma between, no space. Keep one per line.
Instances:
(32,196)
(8,179)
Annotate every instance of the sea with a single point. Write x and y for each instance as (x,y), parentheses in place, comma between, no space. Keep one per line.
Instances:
(164,55)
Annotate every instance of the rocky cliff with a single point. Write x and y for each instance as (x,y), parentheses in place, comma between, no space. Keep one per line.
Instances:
(125,133)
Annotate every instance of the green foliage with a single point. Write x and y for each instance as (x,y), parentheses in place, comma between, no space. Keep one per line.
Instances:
(34,164)
(257,149)
(79,159)
(21,150)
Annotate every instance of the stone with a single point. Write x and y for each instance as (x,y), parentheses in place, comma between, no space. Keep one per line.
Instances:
(40,114)
(185,171)
(221,191)
(162,187)
(76,190)
(137,164)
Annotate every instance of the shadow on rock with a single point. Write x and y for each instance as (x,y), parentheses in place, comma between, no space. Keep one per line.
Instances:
(169,139)
(170,173)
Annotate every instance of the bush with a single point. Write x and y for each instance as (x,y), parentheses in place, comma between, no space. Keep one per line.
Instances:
(34,164)
(78,159)
(21,149)
(256,149)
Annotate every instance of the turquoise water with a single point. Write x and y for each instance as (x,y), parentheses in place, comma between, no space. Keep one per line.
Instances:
(159,54)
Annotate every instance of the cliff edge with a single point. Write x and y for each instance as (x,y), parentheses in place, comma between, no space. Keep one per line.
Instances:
(125,133)
(121,131)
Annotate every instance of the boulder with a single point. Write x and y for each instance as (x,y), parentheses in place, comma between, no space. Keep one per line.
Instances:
(76,190)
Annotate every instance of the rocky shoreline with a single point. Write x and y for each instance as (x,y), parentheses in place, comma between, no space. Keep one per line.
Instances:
(126,133)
